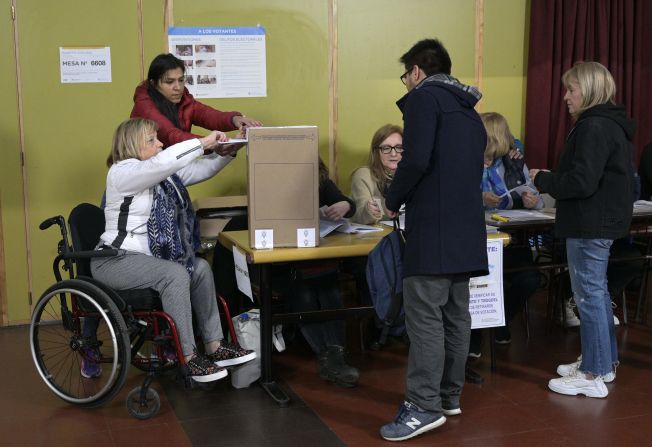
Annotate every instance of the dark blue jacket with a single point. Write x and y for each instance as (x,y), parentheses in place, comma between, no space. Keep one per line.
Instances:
(438,179)
(594,183)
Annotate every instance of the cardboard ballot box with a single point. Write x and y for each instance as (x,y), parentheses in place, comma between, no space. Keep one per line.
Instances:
(283,186)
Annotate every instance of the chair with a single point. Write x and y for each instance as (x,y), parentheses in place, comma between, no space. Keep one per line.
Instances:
(80,314)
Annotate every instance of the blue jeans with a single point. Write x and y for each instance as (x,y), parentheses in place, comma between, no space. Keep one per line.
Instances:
(587,265)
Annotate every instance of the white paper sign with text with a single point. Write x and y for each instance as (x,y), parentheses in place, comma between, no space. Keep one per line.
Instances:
(82,65)
(486,302)
(222,62)
(242,272)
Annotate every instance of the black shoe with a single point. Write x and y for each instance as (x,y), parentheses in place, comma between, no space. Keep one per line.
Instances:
(472,376)
(201,369)
(333,367)
(475,346)
(502,336)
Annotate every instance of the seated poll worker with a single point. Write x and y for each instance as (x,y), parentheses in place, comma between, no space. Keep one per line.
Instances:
(368,183)
(501,174)
(149,214)
(163,98)
(314,286)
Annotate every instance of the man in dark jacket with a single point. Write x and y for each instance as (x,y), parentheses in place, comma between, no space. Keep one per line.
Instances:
(437,179)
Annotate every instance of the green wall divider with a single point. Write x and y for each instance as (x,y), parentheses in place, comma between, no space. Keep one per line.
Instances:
(68,127)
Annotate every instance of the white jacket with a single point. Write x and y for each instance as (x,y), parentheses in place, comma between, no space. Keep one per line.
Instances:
(130,185)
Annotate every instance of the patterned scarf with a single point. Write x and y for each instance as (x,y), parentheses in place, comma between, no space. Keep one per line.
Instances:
(172,229)
(493,182)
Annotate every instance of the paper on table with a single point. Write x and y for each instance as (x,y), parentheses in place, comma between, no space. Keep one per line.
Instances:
(524,215)
(390,223)
(327,226)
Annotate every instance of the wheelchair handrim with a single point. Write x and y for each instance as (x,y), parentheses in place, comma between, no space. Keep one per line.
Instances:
(38,310)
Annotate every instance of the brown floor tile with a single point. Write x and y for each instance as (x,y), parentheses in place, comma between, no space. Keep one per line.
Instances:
(512,408)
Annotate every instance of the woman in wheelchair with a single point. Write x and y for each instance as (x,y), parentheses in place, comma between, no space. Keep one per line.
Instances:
(148,214)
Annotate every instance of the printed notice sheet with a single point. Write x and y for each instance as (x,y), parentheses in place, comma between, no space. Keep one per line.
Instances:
(222,62)
(85,64)
(242,272)
(486,302)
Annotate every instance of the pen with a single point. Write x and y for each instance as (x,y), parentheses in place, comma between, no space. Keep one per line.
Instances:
(499,218)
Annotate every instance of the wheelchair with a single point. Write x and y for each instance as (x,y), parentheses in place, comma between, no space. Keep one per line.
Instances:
(80,316)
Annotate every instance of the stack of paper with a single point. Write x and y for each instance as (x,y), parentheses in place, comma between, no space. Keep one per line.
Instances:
(326,227)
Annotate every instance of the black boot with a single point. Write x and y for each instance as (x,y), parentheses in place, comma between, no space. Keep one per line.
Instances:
(333,367)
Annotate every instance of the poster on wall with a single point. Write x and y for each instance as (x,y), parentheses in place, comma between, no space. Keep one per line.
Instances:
(85,64)
(486,302)
(222,62)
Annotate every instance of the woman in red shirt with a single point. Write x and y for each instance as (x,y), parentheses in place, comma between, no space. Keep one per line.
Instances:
(163,98)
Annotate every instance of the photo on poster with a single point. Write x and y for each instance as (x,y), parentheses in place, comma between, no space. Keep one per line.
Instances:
(226,62)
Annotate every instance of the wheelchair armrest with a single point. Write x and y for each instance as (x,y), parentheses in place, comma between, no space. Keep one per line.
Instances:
(107,253)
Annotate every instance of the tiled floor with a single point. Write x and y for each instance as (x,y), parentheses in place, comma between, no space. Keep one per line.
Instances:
(512,408)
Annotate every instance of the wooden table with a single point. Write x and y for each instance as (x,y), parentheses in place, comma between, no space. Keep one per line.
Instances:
(337,245)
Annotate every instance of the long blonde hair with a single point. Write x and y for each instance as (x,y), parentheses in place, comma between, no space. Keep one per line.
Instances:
(378,172)
(129,138)
(596,84)
(499,137)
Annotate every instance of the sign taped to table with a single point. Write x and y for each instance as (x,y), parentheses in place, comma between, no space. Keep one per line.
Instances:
(486,301)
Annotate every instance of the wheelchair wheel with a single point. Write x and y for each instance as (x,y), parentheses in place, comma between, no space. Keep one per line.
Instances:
(145,409)
(59,345)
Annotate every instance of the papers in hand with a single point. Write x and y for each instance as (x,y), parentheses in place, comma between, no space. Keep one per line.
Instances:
(233,141)
(520,190)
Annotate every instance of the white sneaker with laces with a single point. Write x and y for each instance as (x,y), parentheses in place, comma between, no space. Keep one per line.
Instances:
(579,383)
(571,318)
(569,369)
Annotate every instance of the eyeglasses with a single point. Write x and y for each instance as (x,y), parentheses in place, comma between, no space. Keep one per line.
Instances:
(404,75)
(386,149)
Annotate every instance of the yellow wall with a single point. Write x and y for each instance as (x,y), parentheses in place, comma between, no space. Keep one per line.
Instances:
(68,127)
(11,191)
(505,60)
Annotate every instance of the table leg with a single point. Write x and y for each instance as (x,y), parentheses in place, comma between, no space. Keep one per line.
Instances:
(266,380)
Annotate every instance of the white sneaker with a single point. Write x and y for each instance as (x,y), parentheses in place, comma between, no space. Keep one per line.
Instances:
(616,321)
(578,383)
(451,411)
(571,319)
(569,369)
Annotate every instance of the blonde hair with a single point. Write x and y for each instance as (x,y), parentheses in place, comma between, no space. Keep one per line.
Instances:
(129,138)
(499,137)
(596,84)
(378,172)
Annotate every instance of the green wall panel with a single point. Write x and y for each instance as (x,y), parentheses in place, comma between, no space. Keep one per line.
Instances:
(505,62)
(297,70)
(68,127)
(373,35)
(11,179)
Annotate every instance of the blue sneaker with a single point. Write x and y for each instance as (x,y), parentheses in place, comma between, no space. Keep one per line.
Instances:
(411,421)
(90,363)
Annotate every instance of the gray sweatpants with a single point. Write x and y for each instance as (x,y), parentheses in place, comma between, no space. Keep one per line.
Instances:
(180,294)
(439,326)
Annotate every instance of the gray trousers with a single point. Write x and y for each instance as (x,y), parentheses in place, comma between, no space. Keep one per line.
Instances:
(439,326)
(180,294)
